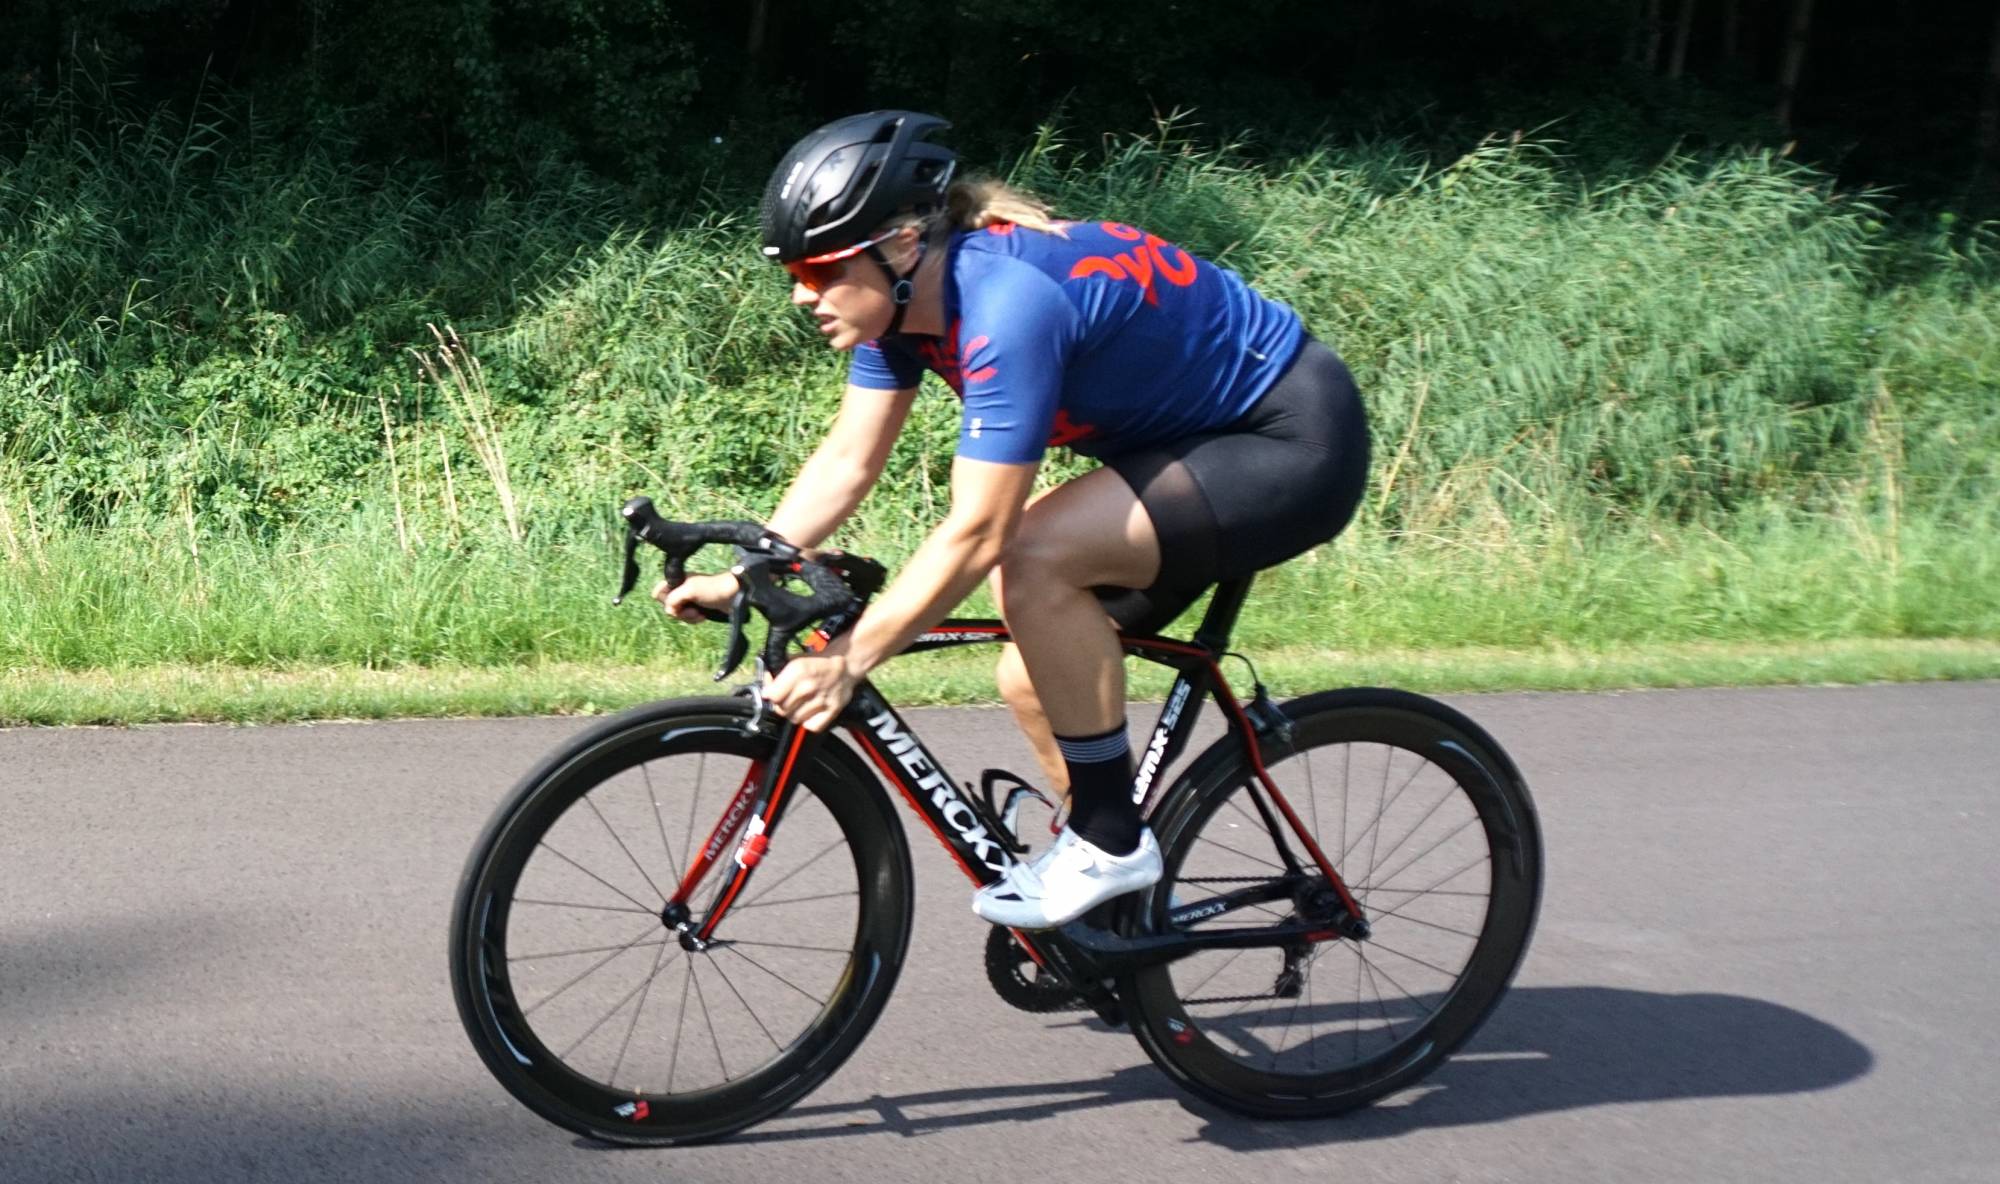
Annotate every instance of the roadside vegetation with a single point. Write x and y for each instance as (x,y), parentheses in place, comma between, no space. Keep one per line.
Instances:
(264,409)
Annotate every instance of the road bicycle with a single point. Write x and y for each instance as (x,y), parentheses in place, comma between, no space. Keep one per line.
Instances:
(687,917)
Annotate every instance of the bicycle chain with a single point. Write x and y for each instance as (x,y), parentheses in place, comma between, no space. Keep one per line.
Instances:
(1008,967)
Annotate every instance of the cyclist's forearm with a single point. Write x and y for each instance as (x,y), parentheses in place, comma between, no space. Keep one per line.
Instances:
(945,569)
(828,488)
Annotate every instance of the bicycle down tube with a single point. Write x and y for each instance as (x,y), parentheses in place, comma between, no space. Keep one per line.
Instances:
(979,842)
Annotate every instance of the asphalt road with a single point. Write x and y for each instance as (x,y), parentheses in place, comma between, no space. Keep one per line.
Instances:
(1767,952)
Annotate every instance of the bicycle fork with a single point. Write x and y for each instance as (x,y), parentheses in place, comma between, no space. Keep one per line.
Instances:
(748,824)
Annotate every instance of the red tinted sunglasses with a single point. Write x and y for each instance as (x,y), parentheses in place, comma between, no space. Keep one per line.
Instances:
(820,272)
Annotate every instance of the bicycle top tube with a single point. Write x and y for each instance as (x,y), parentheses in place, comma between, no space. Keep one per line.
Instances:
(841,585)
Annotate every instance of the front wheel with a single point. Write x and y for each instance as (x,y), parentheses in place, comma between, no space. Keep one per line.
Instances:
(1431,828)
(573,980)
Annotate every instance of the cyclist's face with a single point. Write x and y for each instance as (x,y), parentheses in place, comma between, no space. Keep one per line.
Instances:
(852,304)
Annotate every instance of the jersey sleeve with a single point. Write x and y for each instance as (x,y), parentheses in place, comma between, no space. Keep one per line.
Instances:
(1016,332)
(880,367)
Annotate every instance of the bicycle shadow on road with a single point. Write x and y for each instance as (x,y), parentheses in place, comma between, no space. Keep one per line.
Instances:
(1546,1049)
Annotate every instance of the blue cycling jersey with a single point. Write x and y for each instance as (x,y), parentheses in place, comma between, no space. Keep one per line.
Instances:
(1105,339)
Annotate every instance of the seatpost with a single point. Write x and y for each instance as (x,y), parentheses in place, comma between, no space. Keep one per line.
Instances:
(1220,618)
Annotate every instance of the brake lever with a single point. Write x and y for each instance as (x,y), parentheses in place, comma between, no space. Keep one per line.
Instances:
(631,568)
(739,643)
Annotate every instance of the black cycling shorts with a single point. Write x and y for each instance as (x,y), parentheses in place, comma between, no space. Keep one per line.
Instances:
(1285,477)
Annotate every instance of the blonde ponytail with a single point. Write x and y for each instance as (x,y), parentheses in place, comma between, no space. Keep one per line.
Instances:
(978,202)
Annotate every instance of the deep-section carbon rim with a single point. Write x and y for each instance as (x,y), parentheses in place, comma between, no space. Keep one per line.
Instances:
(583,1001)
(1436,838)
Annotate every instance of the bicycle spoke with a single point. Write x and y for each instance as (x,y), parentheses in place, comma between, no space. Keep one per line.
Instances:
(1268,826)
(765,904)
(772,886)
(600,908)
(622,847)
(1244,854)
(1312,797)
(653,795)
(779,945)
(1415,894)
(1382,804)
(1381,1009)
(1377,918)
(632,1027)
(1312,1032)
(1449,794)
(1373,968)
(694,799)
(1346,771)
(1286,1031)
(731,984)
(595,967)
(570,953)
(1449,836)
(774,974)
(680,1022)
(1359,963)
(702,997)
(618,1007)
(1247,816)
(643,907)
(1211,974)
(1377,944)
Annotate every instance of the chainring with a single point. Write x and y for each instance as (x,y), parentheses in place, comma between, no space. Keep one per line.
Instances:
(1018,980)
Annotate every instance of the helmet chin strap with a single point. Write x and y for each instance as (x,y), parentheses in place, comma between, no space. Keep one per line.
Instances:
(902,286)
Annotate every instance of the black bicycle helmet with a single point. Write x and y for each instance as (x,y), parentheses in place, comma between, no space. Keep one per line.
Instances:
(844,180)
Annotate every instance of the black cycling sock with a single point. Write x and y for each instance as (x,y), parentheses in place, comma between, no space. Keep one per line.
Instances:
(1100,790)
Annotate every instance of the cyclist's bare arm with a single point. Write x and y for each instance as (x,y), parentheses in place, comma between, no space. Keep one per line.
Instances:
(987,502)
(828,487)
(844,467)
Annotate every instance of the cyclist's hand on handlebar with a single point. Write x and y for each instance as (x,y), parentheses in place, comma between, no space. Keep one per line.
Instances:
(813,689)
(713,592)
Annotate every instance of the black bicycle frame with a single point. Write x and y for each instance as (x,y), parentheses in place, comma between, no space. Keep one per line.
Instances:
(981,843)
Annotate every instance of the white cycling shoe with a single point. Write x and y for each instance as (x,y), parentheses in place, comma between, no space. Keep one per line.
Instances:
(1066,881)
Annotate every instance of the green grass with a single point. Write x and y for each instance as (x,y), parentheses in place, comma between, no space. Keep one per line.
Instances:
(230,694)
(356,598)
(1707,407)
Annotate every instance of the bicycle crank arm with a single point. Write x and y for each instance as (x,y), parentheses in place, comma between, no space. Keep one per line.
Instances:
(1114,955)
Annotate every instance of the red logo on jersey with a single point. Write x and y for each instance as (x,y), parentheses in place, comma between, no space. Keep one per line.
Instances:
(1140,264)
(944,356)
(1066,431)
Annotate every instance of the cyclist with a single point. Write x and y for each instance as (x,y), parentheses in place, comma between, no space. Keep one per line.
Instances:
(1230,440)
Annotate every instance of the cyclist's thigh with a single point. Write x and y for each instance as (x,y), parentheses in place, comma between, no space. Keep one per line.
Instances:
(1087,531)
(1284,478)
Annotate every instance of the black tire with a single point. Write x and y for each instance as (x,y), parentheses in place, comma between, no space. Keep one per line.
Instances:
(1445,941)
(567,884)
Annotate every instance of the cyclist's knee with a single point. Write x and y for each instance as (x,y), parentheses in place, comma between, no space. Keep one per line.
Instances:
(1010,675)
(1031,570)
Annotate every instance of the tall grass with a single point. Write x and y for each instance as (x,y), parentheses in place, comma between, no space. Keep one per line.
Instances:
(1709,399)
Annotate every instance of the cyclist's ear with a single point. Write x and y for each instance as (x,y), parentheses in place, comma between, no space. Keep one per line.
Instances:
(900,247)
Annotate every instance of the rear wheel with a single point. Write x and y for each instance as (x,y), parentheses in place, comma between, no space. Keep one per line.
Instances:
(1433,832)
(578,992)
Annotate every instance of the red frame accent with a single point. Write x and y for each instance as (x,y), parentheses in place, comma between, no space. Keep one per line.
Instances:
(736,882)
(1298,826)
(1224,695)
(698,869)
(909,796)
(889,771)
